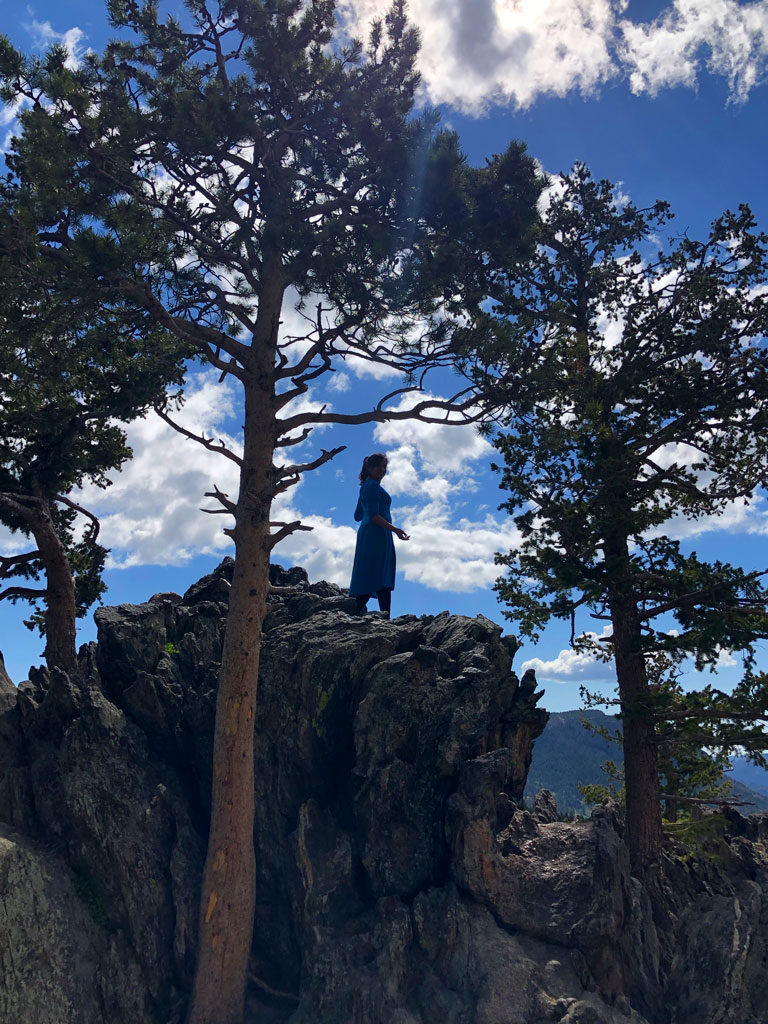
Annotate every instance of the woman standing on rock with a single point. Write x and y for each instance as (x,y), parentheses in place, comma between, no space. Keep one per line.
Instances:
(374,569)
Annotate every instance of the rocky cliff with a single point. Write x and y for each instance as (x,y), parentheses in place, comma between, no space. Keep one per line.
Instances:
(399,880)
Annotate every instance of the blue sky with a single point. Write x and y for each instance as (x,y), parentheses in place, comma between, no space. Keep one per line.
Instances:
(669,99)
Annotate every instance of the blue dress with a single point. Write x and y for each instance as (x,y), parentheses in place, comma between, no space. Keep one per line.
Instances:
(374,566)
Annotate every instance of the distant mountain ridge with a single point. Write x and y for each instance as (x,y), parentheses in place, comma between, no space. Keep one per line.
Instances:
(567,755)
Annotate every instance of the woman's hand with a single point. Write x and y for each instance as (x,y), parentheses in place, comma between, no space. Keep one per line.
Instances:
(401,533)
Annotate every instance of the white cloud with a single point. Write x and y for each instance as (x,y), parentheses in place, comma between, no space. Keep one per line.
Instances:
(339,382)
(13,543)
(10,111)
(572,666)
(456,557)
(725,659)
(485,52)
(73,39)
(150,514)
(444,449)
(741,516)
(369,368)
(731,38)
(499,51)
(326,553)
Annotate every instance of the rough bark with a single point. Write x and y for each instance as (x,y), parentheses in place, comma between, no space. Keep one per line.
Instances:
(229,881)
(60,600)
(641,770)
(59,595)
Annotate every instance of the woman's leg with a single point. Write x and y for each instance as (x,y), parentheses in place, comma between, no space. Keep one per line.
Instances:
(385,600)
(360,602)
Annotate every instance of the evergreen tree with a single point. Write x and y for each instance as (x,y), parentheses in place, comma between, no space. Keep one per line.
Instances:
(259,157)
(69,368)
(637,392)
(696,734)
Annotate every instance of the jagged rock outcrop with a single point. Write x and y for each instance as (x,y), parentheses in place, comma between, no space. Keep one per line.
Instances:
(399,879)
(6,686)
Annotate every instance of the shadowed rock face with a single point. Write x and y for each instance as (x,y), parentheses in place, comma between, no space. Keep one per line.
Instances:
(5,683)
(399,880)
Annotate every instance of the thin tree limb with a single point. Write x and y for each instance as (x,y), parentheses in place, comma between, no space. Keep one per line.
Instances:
(206,442)
(25,592)
(8,561)
(95,524)
(223,499)
(285,531)
(417,412)
(284,472)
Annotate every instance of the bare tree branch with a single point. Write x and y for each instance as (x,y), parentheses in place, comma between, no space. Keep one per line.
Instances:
(95,524)
(288,476)
(206,442)
(466,408)
(285,531)
(287,442)
(223,499)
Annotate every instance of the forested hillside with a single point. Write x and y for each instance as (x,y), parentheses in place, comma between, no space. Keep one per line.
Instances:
(567,755)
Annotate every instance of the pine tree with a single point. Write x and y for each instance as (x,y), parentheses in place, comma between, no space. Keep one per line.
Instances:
(260,158)
(70,367)
(637,391)
(696,732)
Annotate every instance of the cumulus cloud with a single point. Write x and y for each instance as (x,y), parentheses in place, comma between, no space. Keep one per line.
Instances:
(340,382)
(453,556)
(725,659)
(572,666)
(12,543)
(326,553)
(499,51)
(569,666)
(729,38)
(740,516)
(430,458)
(490,52)
(440,446)
(150,514)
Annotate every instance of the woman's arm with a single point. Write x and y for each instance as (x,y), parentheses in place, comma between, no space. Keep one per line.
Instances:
(381,521)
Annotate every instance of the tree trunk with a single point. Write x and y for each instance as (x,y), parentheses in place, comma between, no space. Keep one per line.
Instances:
(228,892)
(60,602)
(672,782)
(641,769)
